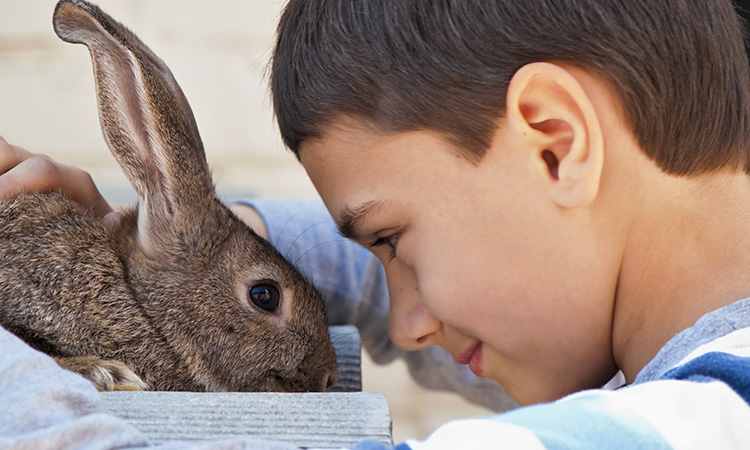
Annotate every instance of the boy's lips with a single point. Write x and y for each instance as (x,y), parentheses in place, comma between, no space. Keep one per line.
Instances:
(475,363)
(473,357)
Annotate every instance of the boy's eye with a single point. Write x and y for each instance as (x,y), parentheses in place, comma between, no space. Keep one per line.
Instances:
(391,241)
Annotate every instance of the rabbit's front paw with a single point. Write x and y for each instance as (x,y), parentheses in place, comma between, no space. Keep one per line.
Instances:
(105,374)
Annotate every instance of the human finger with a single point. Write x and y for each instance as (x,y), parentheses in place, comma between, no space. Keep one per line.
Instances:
(34,173)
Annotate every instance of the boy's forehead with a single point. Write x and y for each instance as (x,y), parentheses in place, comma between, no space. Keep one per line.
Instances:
(352,164)
(337,143)
(345,130)
(346,135)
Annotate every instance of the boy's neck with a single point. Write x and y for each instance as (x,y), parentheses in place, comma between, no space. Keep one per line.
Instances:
(687,253)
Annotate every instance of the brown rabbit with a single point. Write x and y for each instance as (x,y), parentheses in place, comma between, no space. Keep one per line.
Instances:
(179,291)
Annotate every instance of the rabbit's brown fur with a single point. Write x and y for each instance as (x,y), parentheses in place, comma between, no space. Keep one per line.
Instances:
(164,293)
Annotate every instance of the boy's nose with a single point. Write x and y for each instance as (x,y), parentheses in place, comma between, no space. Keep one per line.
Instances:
(412,325)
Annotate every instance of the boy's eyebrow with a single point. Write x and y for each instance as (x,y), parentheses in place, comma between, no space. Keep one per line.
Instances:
(351,218)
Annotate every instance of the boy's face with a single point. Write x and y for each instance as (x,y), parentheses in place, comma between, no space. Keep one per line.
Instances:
(478,259)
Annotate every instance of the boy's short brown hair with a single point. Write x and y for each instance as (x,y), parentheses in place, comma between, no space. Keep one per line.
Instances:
(678,67)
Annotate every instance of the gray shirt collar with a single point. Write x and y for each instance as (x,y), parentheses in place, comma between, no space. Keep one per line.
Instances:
(708,328)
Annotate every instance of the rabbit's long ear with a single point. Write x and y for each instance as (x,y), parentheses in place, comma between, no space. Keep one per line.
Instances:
(146,119)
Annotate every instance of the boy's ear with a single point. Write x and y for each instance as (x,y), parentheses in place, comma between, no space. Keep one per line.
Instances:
(558,122)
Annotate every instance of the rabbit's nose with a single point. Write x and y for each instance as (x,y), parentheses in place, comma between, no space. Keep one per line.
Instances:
(326,382)
(330,379)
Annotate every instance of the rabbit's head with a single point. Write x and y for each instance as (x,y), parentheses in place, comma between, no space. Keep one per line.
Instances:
(223,298)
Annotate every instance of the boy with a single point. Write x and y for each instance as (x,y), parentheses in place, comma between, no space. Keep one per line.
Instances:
(522,168)
(555,189)
(558,191)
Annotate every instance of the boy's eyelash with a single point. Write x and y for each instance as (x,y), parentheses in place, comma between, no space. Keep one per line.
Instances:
(391,241)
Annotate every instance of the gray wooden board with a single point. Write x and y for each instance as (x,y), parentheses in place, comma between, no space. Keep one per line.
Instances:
(341,417)
(348,350)
(318,420)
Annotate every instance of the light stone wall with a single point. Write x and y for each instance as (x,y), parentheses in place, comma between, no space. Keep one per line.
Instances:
(218,51)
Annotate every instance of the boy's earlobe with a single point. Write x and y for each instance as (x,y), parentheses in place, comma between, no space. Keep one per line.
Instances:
(556,119)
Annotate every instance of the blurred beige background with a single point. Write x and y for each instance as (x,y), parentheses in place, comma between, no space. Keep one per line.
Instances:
(218,51)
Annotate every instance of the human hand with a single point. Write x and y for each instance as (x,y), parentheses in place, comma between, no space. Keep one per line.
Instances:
(23,172)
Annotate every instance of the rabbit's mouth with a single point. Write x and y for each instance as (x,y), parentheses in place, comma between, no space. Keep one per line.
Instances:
(281,385)
(300,385)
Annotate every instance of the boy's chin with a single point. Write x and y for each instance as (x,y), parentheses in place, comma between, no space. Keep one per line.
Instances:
(546,387)
(533,393)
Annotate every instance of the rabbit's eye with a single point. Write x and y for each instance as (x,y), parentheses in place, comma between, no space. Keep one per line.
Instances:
(265,296)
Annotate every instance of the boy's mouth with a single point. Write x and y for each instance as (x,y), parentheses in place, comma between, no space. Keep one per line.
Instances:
(475,360)
(471,356)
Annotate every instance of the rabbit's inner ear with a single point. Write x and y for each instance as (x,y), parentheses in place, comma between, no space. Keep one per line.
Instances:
(148,230)
(129,125)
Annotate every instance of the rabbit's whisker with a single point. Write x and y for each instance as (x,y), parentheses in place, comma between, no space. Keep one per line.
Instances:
(313,248)
(287,222)
(315,225)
